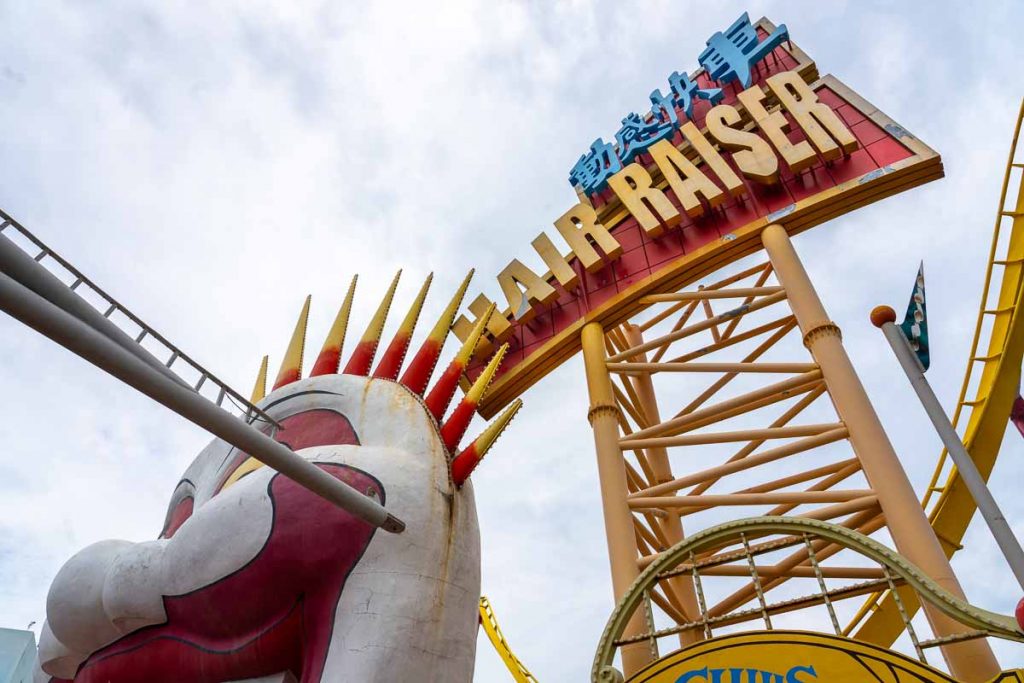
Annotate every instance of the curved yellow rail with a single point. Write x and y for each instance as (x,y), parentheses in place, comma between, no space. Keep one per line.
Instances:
(987,412)
(490,623)
(730,532)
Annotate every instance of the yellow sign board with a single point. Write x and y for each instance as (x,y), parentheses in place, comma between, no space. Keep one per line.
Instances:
(787,657)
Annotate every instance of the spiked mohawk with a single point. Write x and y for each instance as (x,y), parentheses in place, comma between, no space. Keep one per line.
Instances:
(417,374)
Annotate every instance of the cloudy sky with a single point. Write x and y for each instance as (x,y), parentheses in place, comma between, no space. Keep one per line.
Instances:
(212,166)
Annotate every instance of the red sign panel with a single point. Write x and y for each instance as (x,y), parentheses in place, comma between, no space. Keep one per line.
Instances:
(887,160)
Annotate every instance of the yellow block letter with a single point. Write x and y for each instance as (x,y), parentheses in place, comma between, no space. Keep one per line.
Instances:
(685,178)
(498,326)
(713,159)
(537,290)
(753,156)
(579,226)
(798,156)
(648,204)
(822,126)
(554,260)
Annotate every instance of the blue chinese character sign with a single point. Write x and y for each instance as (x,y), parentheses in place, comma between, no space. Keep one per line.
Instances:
(729,57)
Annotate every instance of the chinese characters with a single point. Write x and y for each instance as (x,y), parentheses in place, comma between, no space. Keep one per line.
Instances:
(728,57)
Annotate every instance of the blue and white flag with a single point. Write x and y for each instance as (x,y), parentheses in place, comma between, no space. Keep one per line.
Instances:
(915,324)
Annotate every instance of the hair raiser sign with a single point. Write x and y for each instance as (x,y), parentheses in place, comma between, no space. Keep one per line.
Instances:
(786,657)
(752,137)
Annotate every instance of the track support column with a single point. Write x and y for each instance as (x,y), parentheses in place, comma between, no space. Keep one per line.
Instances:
(618,520)
(657,457)
(968,661)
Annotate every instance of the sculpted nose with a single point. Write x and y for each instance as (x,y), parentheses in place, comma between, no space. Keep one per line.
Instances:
(133,588)
(74,605)
(105,591)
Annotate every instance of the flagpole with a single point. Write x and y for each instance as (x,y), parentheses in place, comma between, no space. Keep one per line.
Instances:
(884,318)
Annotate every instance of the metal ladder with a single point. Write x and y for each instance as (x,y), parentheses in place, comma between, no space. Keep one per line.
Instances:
(71,310)
(91,301)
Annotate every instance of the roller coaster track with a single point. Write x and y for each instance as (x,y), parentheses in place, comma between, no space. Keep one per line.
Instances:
(992,387)
(896,566)
(490,623)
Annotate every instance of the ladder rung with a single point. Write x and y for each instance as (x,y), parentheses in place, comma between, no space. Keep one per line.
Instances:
(144,331)
(1008,262)
(1017,165)
(998,311)
(975,402)
(1012,214)
(985,359)
(955,638)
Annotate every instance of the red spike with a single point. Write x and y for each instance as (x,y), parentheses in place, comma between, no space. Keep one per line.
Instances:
(422,365)
(291,366)
(391,362)
(362,357)
(455,426)
(330,355)
(466,462)
(440,396)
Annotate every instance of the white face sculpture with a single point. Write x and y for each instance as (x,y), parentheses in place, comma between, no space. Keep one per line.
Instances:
(254,575)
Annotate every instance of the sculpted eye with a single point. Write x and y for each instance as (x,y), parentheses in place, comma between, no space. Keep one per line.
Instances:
(303,430)
(177,515)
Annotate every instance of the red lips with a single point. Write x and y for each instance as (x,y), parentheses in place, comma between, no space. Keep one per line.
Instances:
(274,614)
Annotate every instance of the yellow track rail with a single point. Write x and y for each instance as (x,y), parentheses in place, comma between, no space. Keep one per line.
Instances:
(729,533)
(987,413)
(490,623)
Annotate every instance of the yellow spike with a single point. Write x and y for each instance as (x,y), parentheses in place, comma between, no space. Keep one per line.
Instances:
(336,337)
(463,465)
(491,433)
(409,322)
(376,326)
(291,366)
(259,390)
(466,352)
(444,323)
(362,356)
(391,361)
(476,392)
(330,355)
(444,389)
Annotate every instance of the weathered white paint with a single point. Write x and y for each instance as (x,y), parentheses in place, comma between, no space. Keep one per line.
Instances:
(409,609)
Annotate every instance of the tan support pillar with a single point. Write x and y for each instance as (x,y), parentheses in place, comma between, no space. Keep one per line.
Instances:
(657,457)
(968,661)
(618,520)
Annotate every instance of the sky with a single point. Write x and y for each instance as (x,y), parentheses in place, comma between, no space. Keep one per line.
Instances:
(211,166)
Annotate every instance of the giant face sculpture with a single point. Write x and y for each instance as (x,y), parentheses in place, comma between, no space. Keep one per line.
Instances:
(254,576)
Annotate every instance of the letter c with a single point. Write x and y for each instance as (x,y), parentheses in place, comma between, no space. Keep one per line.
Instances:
(692,675)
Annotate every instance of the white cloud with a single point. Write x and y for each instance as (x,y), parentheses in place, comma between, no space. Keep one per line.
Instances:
(212,166)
